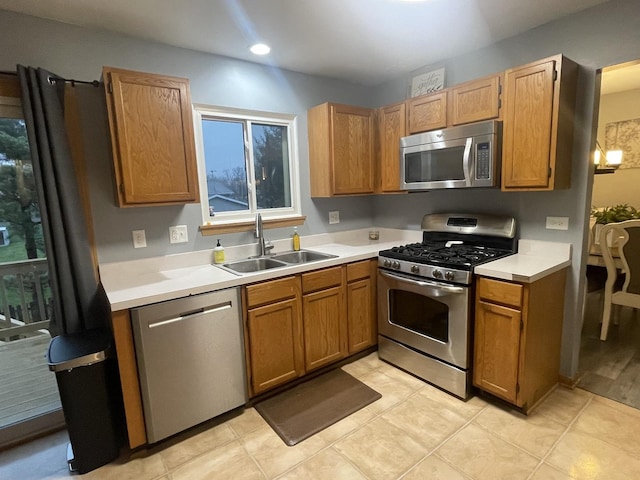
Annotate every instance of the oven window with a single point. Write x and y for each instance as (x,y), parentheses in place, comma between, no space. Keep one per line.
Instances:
(434,165)
(419,314)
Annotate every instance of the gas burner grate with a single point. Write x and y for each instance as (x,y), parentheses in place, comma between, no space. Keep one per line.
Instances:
(439,253)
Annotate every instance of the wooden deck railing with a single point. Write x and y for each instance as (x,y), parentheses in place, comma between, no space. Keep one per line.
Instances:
(25,299)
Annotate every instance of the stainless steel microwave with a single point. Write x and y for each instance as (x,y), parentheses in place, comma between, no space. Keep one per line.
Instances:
(458,157)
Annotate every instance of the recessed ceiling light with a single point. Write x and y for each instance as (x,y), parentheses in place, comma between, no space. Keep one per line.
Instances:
(260,49)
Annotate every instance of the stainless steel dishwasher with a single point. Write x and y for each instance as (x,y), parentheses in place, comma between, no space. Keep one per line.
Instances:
(190,355)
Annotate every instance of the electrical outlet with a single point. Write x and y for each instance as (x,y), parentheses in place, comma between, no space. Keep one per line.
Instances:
(334,217)
(178,234)
(139,239)
(558,223)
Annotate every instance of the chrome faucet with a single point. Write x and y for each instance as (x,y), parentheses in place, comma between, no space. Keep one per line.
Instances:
(264,246)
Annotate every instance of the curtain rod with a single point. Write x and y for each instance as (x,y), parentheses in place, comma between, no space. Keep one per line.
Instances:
(53,79)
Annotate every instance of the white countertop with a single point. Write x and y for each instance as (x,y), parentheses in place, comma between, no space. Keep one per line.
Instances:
(141,282)
(534,260)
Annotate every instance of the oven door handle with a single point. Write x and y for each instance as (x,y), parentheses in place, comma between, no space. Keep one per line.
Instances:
(440,286)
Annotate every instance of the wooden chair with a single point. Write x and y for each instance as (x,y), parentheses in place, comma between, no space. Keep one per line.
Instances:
(626,239)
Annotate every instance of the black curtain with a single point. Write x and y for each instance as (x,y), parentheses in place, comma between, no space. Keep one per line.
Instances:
(80,303)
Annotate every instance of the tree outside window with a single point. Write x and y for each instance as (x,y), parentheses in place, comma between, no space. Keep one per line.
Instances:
(19,212)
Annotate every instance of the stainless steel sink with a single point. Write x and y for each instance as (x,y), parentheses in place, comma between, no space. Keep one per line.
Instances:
(302,256)
(279,260)
(252,265)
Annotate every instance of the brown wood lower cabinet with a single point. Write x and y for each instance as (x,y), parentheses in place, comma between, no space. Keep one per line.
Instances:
(324,317)
(518,330)
(129,381)
(361,304)
(273,333)
(301,323)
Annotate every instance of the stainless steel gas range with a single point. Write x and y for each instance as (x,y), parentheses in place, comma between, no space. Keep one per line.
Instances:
(425,296)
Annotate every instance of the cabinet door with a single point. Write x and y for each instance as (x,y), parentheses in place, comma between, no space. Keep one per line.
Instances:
(475,101)
(427,112)
(275,344)
(152,138)
(497,350)
(352,150)
(391,128)
(361,314)
(341,158)
(325,330)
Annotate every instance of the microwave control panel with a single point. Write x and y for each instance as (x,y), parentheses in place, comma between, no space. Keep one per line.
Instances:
(483,160)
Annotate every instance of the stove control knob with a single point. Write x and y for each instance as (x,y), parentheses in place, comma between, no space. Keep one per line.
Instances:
(437,274)
(449,275)
(415,269)
(396,265)
(386,263)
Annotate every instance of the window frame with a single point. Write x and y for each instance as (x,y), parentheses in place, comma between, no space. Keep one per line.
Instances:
(238,220)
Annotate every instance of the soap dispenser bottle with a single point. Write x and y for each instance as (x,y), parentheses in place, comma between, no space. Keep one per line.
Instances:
(218,253)
(296,239)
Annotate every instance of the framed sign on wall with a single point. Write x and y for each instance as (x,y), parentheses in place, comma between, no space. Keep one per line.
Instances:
(428,82)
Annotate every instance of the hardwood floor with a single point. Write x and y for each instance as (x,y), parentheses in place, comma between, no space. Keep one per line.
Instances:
(610,368)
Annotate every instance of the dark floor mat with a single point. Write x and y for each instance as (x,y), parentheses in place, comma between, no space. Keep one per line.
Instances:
(314,405)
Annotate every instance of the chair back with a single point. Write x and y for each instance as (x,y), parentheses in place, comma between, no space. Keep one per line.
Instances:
(626,239)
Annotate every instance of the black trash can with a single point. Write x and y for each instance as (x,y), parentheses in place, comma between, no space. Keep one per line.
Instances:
(87,377)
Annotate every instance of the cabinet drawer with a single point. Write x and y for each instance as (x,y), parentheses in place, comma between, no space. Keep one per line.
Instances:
(358,270)
(329,277)
(500,292)
(271,291)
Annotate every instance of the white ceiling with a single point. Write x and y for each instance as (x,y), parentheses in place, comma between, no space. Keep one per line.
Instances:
(363,41)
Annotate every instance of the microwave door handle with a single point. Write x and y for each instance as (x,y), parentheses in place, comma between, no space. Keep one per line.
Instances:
(466,162)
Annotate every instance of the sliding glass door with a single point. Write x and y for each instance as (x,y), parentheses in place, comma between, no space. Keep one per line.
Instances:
(29,400)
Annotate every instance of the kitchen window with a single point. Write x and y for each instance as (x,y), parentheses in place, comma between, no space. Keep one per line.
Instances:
(247,164)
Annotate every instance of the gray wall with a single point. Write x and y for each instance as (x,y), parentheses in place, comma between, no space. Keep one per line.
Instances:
(74,52)
(602,36)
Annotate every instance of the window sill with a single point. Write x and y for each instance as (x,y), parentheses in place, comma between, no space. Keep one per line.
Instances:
(247,226)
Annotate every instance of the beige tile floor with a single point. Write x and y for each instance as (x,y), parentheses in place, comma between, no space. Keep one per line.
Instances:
(414,431)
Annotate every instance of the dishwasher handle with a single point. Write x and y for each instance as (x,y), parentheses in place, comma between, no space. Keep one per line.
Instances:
(191,314)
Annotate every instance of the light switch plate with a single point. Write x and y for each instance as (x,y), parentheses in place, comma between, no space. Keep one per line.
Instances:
(139,239)
(334,217)
(178,234)
(558,223)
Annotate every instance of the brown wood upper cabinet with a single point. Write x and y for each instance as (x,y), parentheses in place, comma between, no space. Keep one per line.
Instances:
(475,101)
(151,137)
(539,104)
(341,150)
(427,112)
(391,128)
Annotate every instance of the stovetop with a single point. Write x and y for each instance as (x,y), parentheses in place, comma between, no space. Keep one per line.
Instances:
(445,254)
(452,245)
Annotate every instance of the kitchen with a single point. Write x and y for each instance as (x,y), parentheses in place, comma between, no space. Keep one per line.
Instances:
(597,37)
